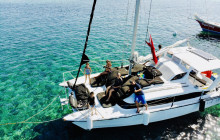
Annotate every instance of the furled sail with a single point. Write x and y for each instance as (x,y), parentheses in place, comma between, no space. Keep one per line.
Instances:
(85,58)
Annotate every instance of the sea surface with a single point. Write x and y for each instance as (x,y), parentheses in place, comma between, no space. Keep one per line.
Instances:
(40,40)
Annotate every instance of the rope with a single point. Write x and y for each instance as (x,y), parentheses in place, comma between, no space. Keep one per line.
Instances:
(81,112)
(99,112)
(25,121)
(94,71)
(148,19)
(30,122)
(207,19)
(128,4)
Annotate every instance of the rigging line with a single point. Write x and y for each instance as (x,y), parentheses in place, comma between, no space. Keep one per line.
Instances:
(190,8)
(145,16)
(148,19)
(87,37)
(127,21)
(25,121)
(126,28)
(190,13)
(139,34)
(42,109)
(207,18)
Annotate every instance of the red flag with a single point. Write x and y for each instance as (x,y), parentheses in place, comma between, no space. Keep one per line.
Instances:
(151,45)
(207,73)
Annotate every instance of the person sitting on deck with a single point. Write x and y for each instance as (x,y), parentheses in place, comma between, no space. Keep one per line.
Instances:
(107,69)
(115,87)
(91,102)
(139,95)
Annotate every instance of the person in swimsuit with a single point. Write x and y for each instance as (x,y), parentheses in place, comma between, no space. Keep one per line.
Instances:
(87,72)
(107,69)
(115,87)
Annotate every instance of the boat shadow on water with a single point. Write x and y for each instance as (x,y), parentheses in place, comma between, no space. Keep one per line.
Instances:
(208,36)
(189,126)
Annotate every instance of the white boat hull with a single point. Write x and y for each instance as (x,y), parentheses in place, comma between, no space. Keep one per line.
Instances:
(171,99)
(146,117)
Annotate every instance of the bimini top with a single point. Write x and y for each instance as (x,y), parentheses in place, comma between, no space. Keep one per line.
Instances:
(169,69)
(198,59)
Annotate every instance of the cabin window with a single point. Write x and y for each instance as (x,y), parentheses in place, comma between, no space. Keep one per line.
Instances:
(125,105)
(185,65)
(176,60)
(179,76)
(169,55)
(177,98)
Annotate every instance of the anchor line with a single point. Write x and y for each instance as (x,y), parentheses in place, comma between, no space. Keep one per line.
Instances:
(25,121)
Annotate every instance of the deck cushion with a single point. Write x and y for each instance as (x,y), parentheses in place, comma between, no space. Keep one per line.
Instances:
(156,80)
(100,81)
(127,83)
(143,82)
(150,72)
(102,99)
(123,71)
(138,68)
(115,72)
(125,89)
(112,75)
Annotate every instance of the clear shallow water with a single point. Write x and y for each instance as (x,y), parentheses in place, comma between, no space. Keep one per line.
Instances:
(41,40)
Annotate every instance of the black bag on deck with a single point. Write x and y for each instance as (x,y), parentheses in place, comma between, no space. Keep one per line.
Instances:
(150,72)
(81,92)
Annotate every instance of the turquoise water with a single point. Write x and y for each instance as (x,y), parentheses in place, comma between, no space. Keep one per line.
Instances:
(41,40)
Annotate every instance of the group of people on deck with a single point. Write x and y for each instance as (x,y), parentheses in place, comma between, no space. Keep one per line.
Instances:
(135,87)
(139,95)
(88,70)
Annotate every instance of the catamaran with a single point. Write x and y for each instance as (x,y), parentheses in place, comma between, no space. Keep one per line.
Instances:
(184,80)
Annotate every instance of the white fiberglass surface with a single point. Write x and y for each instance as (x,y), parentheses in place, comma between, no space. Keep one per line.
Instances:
(102,113)
(195,61)
(169,69)
(163,92)
(117,112)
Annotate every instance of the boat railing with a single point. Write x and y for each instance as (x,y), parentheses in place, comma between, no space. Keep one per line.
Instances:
(65,100)
(114,62)
(99,63)
(70,72)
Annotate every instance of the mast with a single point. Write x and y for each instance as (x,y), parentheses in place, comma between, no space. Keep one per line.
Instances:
(134,34)
(85,58)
